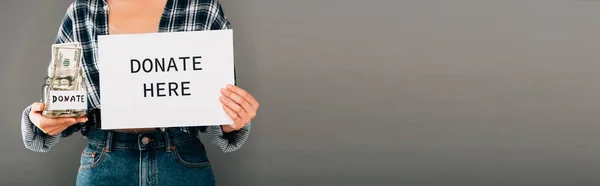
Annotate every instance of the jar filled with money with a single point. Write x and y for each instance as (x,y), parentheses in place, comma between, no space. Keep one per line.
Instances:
(64,91)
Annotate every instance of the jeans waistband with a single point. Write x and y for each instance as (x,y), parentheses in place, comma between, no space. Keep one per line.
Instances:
(116,140)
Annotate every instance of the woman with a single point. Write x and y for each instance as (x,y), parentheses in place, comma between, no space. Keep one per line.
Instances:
(166,156)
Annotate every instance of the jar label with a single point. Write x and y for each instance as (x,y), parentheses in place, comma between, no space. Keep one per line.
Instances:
(67,100)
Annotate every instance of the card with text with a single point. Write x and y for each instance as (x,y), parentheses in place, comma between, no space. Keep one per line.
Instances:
(164,79)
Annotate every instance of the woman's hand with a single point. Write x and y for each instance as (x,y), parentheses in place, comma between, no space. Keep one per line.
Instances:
(239,105)
(52,126)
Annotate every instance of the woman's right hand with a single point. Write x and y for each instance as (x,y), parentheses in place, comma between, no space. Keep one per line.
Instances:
(52,126)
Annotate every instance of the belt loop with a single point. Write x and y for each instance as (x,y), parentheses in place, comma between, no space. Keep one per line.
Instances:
(167,140)
(109,139)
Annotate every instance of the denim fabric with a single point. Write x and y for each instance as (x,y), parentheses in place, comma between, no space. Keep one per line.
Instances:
(172,157)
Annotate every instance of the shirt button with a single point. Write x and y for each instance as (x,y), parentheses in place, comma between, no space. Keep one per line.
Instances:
(145,140)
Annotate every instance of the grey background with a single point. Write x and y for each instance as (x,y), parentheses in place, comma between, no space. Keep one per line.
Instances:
(378,92)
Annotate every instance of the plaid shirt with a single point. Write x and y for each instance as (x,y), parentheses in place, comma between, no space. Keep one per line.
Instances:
(85,20)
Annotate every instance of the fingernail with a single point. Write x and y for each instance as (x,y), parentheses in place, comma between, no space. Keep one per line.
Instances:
(223,90)
(229,86)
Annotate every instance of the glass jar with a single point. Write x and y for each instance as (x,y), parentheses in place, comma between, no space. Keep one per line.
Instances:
(64,97)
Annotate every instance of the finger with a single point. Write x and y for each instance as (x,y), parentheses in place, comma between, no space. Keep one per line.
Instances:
(82,119)
(242,117)
(232,105)
(232,115)
(36,118)
(241,92)
(238,100)
(241,113)
(37,107)
(35,115)
(54,126)
(67,121)
(241,123)
(228,128)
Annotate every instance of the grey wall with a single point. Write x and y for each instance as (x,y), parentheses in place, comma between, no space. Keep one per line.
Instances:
(379,92)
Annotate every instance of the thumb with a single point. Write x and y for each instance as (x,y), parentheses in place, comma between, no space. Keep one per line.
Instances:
(37,107)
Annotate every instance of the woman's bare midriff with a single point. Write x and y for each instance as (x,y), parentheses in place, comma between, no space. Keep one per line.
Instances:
(131,17)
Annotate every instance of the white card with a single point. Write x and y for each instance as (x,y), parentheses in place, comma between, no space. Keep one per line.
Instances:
(164,79)
(66,100)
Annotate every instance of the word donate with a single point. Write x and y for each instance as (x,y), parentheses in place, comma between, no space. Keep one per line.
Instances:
(164,79)
(67,99)
(61,100)
(159,65)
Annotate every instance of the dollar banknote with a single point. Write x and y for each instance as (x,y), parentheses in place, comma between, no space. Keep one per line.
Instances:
(54,53)
(66,72)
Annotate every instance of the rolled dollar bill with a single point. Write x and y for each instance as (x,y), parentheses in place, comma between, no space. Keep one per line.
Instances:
(53,54)
(66,68)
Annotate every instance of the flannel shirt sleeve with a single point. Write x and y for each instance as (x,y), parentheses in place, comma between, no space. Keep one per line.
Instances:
(231,141)
(34,138)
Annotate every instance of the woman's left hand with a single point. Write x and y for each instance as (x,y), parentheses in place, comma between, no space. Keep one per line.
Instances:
(239,105)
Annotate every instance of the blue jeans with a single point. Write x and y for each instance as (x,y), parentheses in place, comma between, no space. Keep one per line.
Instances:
(161,158)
